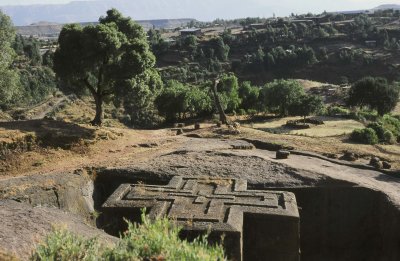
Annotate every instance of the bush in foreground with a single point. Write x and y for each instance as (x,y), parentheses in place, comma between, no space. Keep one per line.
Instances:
(158,240)
(365,136)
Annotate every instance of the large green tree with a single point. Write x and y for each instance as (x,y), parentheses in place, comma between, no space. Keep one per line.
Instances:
(249,95)
(228,91)
(109,59)
(176,100)
(375,93)
(306,105)
(9,82)
(280,94)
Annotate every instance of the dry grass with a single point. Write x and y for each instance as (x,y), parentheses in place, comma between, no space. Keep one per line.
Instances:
(326,145)
(332,127)
(310,84)
(397,110)
(7,257)
(82,111)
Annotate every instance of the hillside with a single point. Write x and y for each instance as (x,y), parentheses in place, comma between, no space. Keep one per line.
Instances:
(388,6)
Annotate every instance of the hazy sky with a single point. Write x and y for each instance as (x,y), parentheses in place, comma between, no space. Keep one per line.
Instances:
(296,5)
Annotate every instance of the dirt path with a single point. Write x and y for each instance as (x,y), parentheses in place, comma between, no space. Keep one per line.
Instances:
(41,111)
(133,146)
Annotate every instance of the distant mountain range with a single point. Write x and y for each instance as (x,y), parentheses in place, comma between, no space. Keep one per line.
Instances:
(383,7)
(204,10)
(84,11)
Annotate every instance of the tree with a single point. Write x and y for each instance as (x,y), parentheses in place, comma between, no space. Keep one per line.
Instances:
(37,83)
(218,105)
(9,82)
(221,50)
(177,100)
(32,51)
(306,105)
(171,101)
(228,92)
(106,59)
(280,94)
(29,47)
(249,95)
(190,43)
(376,93)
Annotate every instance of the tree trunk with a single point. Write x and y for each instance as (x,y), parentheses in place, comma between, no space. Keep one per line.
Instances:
(222,115)
(98,119)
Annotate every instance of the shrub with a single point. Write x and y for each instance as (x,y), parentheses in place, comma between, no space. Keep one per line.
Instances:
(368,115)
(389,137)
(376,93)
(252,112)
(158,240)
(241,112)
(63,245)
(365,136)
(335,110)
(391,123)
(379,130)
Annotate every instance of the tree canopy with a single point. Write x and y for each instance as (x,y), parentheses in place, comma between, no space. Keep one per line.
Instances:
(9,83)
(280,94)
(306,105)
(106,59)
(176,100)
(376,93)
(228,90)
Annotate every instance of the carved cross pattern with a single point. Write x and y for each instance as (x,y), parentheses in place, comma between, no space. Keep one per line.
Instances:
(216,203)
(220,206)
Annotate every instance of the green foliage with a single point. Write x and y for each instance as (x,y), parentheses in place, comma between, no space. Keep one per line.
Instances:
(37,82)
(388,137)
(221,50)
(158,240)
(320,33)
(336,110)
(392,124)
(177,99)
(157,43)
(348,56)
(48,58)
(137,96)
(64,245)
(249,95)
(190,43)
(228,91)
(376,93)
(362,26)
(365,136)
(279,58)
(280,94)
(28,47)
(10,90)
(103,57)
(306,105)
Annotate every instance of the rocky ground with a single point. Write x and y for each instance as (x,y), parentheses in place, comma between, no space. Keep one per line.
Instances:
(64,189)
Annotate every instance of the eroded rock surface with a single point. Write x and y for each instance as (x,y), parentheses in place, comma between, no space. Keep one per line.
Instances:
(22,227)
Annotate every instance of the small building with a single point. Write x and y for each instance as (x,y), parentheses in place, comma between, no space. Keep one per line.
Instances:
(370,43)
(302,21)
(257,26)
(191,31)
